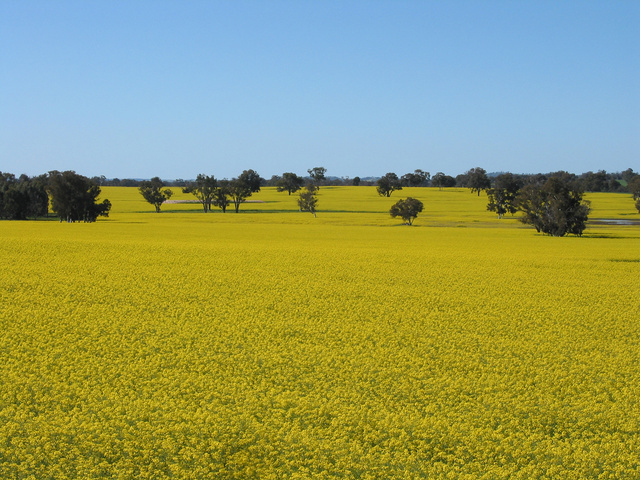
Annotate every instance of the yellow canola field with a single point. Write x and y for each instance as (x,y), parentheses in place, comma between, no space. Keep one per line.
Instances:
(270,344)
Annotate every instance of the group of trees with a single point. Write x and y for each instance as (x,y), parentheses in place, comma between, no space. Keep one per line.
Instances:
(23,197)
(73,197)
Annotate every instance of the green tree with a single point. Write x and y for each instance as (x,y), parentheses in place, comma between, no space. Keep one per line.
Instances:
(502,197)
(221,195)
(204,189)
(74,197)
(22,198)
(477,180)
(418,178)
(151,191)
(307,201)
(441,181)
(242,187)
(356,181)
(388,184)
(407,209)
(289,182)
(317,175)
(554,208)
(634,187)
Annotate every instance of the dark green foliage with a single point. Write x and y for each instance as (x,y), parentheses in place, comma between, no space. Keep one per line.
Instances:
(240,188)
(221,195)
(388,184)
(502,197)
(289,182)
(441,181)
(418,178)
(634,187)
(152,192)
(307,201)
(74,197)
(22,198)
(477,180)
(356,181)
(407,209)
(204,189)
(317,175)
(554,208)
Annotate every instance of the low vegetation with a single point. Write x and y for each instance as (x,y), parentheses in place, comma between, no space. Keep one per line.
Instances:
(272,344)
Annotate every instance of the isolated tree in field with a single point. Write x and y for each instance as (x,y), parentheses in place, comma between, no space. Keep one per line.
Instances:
(152,192)
(221,195)
(418,178)
(407,209)
(554,208)
(307,201)
(317,175)
(289,182)
(356,181)
(477,180)
(241,188)
(204,189)
(74,197)
(502,197)
(388,184)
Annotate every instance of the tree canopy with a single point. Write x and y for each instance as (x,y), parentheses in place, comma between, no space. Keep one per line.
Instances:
(74,197)
(477,180)
(407,209)
(307,201)
(418,178)
(23,197)
(554,208)
(204,189)
(388,184)
(317,175)
(289,182)
(502,197)
(151,191)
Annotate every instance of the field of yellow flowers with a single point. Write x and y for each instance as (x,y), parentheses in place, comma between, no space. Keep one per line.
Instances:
(270,344)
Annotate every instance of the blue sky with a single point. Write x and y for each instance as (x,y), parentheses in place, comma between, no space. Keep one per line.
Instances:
(135,89)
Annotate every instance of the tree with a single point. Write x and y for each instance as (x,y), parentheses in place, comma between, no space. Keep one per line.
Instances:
(240,188)
(221,195)
(388,184)
(74,197)
(356,181)
(477,180)
(634,187)
(251,179)
(441,181)
(502,197)
(554,208)
(416,179)
(307,201)
(152,192)
(289,182)
(22,198)
(317,175)
(407,209)
(204,189)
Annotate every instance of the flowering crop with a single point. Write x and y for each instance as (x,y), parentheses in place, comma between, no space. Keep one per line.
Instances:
(271,344)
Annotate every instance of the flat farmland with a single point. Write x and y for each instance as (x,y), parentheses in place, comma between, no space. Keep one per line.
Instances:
(270,344)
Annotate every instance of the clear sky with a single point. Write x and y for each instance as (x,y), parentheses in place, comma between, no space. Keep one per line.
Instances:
(135,89)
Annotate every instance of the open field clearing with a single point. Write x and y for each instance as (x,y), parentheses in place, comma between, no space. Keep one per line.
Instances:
(270,344)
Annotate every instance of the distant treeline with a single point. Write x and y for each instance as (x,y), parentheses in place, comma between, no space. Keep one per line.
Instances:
(73,197)
(600,181)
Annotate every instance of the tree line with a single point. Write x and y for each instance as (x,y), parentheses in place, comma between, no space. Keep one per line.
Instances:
(552,203)
(72,197)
